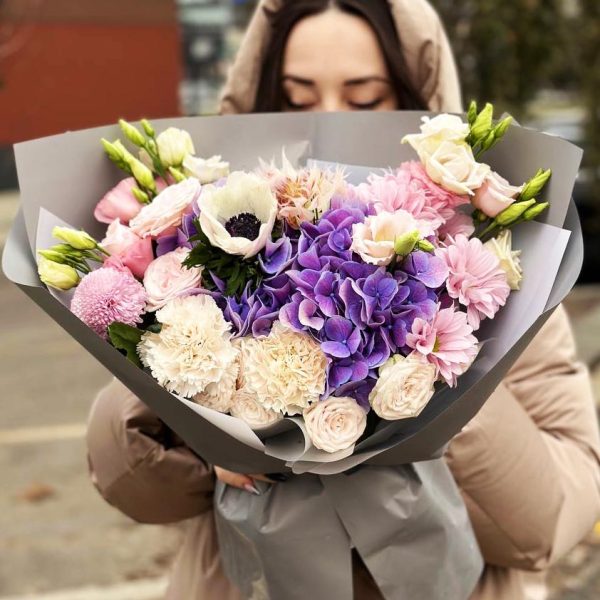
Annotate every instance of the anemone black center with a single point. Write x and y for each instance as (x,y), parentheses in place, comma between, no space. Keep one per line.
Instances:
(244,225)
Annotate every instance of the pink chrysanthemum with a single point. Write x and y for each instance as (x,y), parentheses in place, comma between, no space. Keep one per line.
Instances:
(447,342)
(107,295)
(476,279)
(410,188)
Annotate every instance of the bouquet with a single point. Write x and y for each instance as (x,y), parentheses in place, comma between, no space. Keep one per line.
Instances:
(313,313)
(354,302)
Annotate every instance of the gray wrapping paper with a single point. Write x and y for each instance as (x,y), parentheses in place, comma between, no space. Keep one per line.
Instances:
(408,523)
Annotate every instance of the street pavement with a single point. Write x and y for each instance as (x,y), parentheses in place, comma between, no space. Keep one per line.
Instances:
(58,539)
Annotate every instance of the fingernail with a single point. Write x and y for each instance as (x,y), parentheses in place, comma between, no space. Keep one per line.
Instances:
(281,477)
(252,489)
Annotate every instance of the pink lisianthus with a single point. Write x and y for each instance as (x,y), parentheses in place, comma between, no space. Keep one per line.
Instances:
(476,279)
(495,195)
(409,188)
(447,342)
(120,203)
(127,248)
(108,295)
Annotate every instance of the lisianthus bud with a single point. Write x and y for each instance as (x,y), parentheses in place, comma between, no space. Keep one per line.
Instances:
(531,213)
(502,127)
(112,150)
(78,239)
(483,122)
(425,245)
(61,277)
(53,255)
(140,196)
(132,133)
(178,176)
(147,126)
(404,244)
(125,155)
(513,212)
(173,146)
(489,141)
(535,185)
(143,175)
(472,112)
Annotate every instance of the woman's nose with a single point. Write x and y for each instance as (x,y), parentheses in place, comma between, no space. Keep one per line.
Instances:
(332,103)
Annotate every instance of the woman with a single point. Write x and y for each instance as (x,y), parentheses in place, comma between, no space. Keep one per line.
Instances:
(527,464)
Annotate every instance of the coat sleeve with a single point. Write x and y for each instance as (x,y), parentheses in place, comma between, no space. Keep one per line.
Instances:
(139,465)
(528,463)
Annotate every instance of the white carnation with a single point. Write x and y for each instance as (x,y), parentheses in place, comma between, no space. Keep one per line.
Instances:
(335,424)
(286,370)
(404,387)
(193,349)
(219,395)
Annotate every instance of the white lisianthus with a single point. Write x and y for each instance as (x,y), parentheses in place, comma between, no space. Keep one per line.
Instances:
(246,405)
(286,370)
(510,263)
(374,239)
(166,210)
(173,146)
(193,349)
(205,170)
(335,424)
(238,217)
(454,167)
(404,387)
(434,132)
(495,195)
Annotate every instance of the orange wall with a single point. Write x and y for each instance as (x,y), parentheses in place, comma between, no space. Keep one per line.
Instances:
(74,75)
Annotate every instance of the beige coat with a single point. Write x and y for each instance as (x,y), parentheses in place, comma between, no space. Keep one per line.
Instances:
(527,464)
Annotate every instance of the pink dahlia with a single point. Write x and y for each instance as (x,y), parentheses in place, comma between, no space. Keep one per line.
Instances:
(476,279)
(447,342)
(107,295)
(410,188)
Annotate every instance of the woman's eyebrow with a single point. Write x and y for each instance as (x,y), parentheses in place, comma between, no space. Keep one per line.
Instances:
(363,80)
(299,80)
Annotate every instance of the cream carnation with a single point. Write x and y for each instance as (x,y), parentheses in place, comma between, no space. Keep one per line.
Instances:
(193,349)
(286,370)
(404,387)
(219,395)
(166,278)
(245,405)
(335,424)
(166,209)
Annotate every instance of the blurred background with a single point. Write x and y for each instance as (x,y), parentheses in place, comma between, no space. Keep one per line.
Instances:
(68,64)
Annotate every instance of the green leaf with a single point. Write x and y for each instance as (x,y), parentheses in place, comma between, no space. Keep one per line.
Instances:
(126,338)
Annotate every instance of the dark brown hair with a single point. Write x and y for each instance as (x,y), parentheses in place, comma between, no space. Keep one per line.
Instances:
(270,96)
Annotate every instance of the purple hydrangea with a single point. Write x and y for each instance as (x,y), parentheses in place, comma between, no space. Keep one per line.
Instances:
(359,313)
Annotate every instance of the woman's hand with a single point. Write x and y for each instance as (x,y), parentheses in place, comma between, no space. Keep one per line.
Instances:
(241,481)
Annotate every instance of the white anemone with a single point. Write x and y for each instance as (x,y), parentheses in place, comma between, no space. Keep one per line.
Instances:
(245,204)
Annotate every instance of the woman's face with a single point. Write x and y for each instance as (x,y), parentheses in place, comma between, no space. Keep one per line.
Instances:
(333,62)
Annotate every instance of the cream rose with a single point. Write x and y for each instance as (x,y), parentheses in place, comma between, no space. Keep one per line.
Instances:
(335,424)
(205,170)
(246,406)
(173,146)
(454,167)
(374,239)
(166,278)
(118,238)
(166,210)
(510,263)
(404,387)
(239,216)
(434,132)
(495,195)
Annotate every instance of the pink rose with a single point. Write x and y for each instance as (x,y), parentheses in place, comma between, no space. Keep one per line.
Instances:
(127,248)
(495,195)
(166,278)
(167,209)
(138,256)
(119,203)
